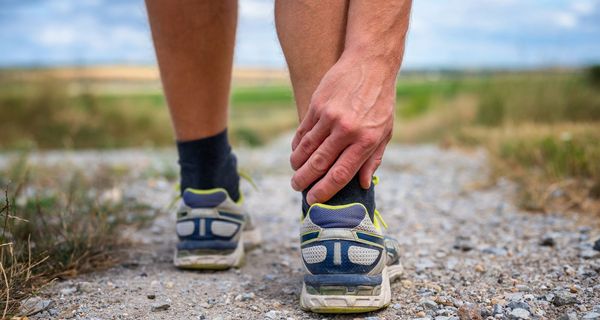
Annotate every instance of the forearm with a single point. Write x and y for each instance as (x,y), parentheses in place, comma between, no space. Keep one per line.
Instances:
(376,32)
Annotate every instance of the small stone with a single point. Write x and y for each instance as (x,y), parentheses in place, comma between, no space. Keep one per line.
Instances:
(406,284)
(421,314)
(597,245)
(245,296)
(463,243)
(35,305)
(169,284)
(428,304)
(591,316)
(495,251)
(568,316)
(522,288)
(444,301)
(519,313)
(85,287)
(563,298)
(469,312)
(573,289)
(479,268)
(397,306)
(273,314)
(372,318)
(151,296)
(518,305)
(160,307)
(589,254)
(68,290)
(547,241)
(497,309)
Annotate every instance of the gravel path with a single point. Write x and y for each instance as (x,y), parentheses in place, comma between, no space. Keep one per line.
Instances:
(468,252)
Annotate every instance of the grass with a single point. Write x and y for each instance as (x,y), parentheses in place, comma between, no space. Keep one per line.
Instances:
(58,222)
(460,108)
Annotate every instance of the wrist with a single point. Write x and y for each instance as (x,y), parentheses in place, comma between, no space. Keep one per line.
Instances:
(375,62)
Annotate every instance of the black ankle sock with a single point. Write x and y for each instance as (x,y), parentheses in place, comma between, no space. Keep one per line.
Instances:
(209,163)
(352,192)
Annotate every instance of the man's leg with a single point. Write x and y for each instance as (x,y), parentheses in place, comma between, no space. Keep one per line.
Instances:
(348,261)
(312,36)
(194,43)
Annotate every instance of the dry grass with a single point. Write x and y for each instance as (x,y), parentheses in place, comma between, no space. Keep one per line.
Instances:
(556,165)
(58,222)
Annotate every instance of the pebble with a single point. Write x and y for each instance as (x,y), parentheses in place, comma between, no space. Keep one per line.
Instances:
(547,241)
(469,312)
(563,298)
(519,313)
(35,305)
(497,309)
(85,287)
(428,304)
(160,307)
(596,245)
(151,296)
(589,254)
(568,316)
(591,316)
(68,290)
(463,243)
(273,314)
(245,296)
(397,306)
(518,305)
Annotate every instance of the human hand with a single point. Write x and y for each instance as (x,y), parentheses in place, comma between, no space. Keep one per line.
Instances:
(346,128)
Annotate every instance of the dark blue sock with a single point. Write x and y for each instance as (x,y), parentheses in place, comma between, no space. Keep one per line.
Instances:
(352,192)
(209,163)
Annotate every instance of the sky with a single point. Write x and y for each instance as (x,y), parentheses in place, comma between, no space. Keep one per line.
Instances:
(455,34)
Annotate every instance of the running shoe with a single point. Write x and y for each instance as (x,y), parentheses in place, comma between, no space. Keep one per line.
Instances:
(349,263)
(213,230)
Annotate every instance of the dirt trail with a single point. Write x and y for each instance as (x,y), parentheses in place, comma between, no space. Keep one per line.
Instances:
(467,251)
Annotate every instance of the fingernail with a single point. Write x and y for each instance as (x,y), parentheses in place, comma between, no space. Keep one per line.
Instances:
(310,198)
(294,185)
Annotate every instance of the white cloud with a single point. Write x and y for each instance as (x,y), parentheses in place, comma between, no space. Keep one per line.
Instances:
(256,9)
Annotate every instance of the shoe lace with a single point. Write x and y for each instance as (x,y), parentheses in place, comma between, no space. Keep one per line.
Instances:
(378,215)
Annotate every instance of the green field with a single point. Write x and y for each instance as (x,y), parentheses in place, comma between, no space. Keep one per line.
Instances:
(544,122)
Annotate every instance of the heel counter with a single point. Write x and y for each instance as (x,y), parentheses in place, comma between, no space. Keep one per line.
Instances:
(340,240)
(340,256)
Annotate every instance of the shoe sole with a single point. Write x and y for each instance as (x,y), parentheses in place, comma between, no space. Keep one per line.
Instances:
(248,240)
(352,303)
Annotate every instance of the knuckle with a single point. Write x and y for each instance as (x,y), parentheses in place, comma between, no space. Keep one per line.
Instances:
(306,146)
(318,163)
(329,114)
(347,128)
(340,175)
(317,103)
(368,139)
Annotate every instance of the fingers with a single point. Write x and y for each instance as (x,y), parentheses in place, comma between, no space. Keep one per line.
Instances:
(305,126)
(365,174)
(308,144)
(318,163)
(340,174)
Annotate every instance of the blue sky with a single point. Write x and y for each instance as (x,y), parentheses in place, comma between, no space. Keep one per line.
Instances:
(443,34)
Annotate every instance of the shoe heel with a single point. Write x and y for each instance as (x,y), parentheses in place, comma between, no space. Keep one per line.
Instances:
(346,293)
(208,258)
